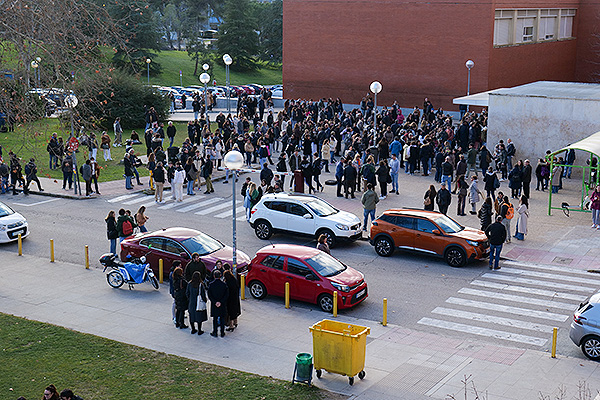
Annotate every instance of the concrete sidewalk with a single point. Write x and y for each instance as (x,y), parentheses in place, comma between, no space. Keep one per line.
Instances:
(400,363)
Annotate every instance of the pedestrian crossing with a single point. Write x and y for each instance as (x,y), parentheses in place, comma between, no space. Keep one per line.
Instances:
(520,303)
(216,207)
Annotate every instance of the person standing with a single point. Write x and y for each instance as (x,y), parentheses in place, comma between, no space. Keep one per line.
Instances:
(507,212)
(195,265)
(52,149)
(515,180)
(118,132)
(125,225)
(523,212)
(171,132)
(394,171)
(251,188)
(474,194)
(369,201)
(383,173)
(181,300)
(526,178)
(218,293)
(282,168)
(339,176)
(105,146)
(159,181)
(111,231)
(350,176)
(95,173)
(595,207)
(485,213)
(316,171)
(429,198)
(86,174)
(207,170)
(67,170)
(190,175)
(4,175)
(177,183)
(141,219)
(234,308)
(443,199)
(326,154)
(31,175)
(197,300)
(322,244)
(447,171)
(462,188)
(307,172)
(491,183)
(128,172)
(472,161)
(496,234)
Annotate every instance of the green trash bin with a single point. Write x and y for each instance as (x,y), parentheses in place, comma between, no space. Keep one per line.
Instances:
(303,367)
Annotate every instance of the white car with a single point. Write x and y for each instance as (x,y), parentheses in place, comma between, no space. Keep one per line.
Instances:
(11,224)
(305,215)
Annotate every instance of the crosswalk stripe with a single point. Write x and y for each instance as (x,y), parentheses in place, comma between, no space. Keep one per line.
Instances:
(213,209)
(518,299)
(526,281)
(175,203)
(508,309)
(135,201)
(546,267)
(523,289)
(515,323)
(513,337)
(198,205)
(565,278)
(124,197)
(239,211)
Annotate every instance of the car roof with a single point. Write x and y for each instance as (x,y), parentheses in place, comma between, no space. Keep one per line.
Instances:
(413,212)
(293,250)
(176,233)
(289,196)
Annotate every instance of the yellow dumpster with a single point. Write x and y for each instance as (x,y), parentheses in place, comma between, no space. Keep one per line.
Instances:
(339,348)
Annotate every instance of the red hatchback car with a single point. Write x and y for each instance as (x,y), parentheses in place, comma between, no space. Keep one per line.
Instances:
(172,244)
(313,276)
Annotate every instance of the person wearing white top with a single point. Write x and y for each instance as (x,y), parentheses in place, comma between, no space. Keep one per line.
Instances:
(178,182)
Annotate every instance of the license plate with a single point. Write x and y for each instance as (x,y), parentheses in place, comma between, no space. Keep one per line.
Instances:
(361,293)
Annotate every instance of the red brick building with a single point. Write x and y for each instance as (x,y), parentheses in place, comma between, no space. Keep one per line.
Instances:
(417,48)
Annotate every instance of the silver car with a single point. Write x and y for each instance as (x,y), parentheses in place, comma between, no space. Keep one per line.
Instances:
(585,328)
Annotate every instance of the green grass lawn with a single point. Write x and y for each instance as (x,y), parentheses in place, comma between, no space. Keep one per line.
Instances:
(31,140)
(174,61)
(35,354)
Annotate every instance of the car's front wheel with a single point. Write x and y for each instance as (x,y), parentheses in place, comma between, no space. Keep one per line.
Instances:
(591,347)
(326,302)
(384,246)
(455,257)
(258,290)
(263,229)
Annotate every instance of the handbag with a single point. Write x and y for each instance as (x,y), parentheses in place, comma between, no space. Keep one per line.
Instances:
(200,304)
(427,201)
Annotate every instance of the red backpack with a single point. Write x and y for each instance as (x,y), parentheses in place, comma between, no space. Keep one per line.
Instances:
(127,227)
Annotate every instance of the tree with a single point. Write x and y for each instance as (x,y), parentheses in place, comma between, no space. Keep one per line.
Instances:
(237,34)
(270,37)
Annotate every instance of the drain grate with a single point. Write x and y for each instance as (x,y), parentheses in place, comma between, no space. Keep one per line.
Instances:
(562,260)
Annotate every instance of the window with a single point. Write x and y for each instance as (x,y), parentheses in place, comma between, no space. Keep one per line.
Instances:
(275,262)
(325,265)
(297,267)
(526,20)
(424,225)
(548,29)
(152,243)
(297,209)
(276,205)
(173,247)
(404,222)
(503,27)
(566,23)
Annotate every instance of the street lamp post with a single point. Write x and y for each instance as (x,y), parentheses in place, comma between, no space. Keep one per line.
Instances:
(39,72)
(375,88)
(205,78)
(35,66)
(148,61)
(71,101)
(227,60)
(469,64)
(180,78)
(234,160)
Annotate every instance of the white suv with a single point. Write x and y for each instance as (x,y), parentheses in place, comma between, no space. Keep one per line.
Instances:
(305,215)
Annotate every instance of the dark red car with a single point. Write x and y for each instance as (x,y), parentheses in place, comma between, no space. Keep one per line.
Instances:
(172,244)
(313,276)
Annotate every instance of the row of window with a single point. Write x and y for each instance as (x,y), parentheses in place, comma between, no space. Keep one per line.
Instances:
(532,25)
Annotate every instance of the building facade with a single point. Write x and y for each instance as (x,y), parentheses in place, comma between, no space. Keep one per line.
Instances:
(418,49)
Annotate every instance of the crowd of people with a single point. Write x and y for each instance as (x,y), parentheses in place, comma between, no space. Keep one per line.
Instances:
(51,393)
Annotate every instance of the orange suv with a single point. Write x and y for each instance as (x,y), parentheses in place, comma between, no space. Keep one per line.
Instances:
(429,232)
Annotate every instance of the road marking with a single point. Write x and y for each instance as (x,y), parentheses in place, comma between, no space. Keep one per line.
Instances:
(518,299)
(515,323)
(140,200)
(513,337)
(175,203)
(526,281)
(508,309)
(124,197)
(228,213)
(565,278)
(547,267)
(198,205)
(35,204)
(213,209)
(523,289)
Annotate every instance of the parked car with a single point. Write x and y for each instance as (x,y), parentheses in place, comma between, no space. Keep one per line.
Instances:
(429,232)
(585,327)
(11,224)
(304,215)
(313,276)
(172,244)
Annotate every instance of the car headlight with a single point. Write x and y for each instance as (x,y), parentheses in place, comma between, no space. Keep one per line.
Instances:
(342,227)
(2,227)
(473,243)
(342,288)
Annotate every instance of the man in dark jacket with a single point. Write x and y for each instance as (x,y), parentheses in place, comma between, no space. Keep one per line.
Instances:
(127,230)
(128,171)
(86,174)
(349,179)
(31,175)
(339,175)
(282,167)
(266,174)
(496,234)
(171,132)
(194,265)
(443,198)
(447,173)
(526,178)
(218,294)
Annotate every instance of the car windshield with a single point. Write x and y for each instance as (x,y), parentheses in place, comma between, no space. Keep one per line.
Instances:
(5,210)
(321,208)
(325,265)
(202,244)
(448,224)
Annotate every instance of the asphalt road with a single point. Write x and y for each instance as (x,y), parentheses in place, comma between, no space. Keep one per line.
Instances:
(414,285)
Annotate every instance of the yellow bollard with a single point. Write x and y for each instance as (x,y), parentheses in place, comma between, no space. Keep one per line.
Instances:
(335,303)
(243,286)
(87,257)
(51,250)
(384,322)
(287,295)
(160,270)
(554,334)
(20,245)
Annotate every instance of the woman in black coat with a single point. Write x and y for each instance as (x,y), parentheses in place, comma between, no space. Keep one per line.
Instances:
(111,231)
(218,293)
(382,176)
(429,194)
(485,213)
(234,308)
(194,289)
(181,300)
(515,178)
